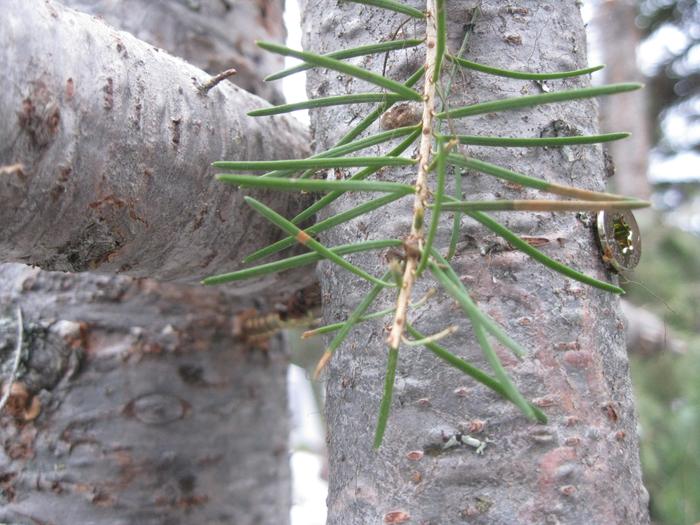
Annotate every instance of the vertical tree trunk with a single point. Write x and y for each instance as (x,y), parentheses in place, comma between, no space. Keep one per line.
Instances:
(619,38)
(583,466)
(133,403)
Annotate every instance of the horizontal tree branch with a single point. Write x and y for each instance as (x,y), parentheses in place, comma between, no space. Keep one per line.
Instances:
(214,35)
(135,403)
(105,149)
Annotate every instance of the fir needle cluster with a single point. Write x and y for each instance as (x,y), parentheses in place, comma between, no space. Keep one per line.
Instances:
(436,151)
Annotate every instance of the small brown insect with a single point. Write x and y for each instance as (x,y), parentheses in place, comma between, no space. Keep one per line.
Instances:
(256,328)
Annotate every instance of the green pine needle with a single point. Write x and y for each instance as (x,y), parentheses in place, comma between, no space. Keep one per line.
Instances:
(365,123)
(543,205)
(441,29)
(342,67)
(334,327)
(495,363)
(336,100)
(538,142)
(359,176)
(383,47)
(351,147)
(456,220)
(354,318)
(445,275)
(312,163)
(297,261)
(456,290)
(309,242)
(536,100)
(523,75)
(325,225)
(385,405)
(372,117)
(470,370)
(253,181)
(527,181)
(393,6)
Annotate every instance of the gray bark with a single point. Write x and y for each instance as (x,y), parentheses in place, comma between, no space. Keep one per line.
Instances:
(140,408)
(133,402)
(106,147)
(213,35)
(583,466)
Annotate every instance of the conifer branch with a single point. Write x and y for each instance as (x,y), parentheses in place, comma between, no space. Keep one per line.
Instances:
(414,242)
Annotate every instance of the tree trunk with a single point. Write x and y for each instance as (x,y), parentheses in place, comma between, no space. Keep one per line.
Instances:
(619,38)
(583,466)
(133,401)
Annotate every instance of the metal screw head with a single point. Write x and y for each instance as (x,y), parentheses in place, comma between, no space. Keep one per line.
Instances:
(620,239)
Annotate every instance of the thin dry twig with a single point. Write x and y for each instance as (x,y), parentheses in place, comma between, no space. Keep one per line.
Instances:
(213,81)
(414,242)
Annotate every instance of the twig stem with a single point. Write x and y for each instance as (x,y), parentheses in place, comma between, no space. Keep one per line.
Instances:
(414,241)
(205,87)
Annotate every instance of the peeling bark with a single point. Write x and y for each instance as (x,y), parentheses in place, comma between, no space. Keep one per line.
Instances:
(583,466)
(106,147)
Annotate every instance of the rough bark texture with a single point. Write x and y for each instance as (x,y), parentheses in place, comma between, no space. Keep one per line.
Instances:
(582,467)
(107,144)
(140,407)
(133,403)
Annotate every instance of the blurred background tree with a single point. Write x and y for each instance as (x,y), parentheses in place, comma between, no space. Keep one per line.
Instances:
(663,300)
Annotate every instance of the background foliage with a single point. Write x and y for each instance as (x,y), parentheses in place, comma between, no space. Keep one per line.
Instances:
(666,382)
